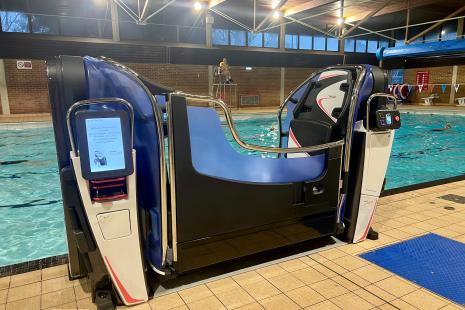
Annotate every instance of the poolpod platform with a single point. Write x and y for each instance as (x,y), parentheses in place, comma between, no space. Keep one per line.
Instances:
(202,203)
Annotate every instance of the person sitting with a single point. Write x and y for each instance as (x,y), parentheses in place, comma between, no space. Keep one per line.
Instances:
(225,72)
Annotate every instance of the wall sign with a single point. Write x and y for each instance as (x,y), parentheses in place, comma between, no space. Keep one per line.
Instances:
(422,79)
(24,64)
(397,76)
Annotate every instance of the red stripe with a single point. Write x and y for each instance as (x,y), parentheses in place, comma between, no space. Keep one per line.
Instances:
(329,76)
(368,226)
(128,298)
(291,135)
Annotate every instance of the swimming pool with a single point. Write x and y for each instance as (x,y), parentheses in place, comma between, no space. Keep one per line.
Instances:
(31,213)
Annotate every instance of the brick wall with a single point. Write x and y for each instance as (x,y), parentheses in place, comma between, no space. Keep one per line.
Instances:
(294,77)
(437,75)
(27,89)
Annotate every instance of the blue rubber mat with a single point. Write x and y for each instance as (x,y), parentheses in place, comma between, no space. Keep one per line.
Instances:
(432,261)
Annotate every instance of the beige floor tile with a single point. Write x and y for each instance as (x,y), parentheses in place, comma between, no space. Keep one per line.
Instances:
(328,273)
(54,272)
(25,278)
(351,301)
(446,232)
(387,307)
(31,303)
(143,306)
(396,286)
(271,271)
(286,282)
(4,282)
(352,249)
(295,264)
(2,306)
(56,284)
(332,253)
(247,278)
(252,306)
(372,299)
(86,304)
(82,290)
(325,305)
(68,306)
(57,298)
(166,302)
(380,292)
(209,303)
(279,302)
(371,273)
(329,288)
(309,275)
(351,286)
(350,262)
(414,231)
(22,292)
(234,298)
(452,307)
(222,285)
(318,258)
(395,233)
(356,279)
(3,296)
(424,300)
(334,267)
(260,289)
(191,295)
(305,296)
(308,261)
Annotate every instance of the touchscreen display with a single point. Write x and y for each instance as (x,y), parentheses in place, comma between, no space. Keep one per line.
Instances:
(105,144)
(388,119)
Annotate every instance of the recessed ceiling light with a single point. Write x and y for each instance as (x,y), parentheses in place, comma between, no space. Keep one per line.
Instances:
(197,6)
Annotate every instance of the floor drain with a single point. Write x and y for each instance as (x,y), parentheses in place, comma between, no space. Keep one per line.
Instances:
(449,208)
(454,198)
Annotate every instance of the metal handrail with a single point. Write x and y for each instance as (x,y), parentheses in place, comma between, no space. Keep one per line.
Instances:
(96,101)
(253,147)
(369,103)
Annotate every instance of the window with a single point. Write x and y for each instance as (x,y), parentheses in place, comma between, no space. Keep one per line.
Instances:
(361,46)
(14,21)
(349,45)
(400,43)
(220,37)
(305,42)
(383,43)
(45,24)
(237,37)
(332,44)
(319,43)
(372,46)
(432,36)
(291,41)
(271,39)
(448,35)
(255,39)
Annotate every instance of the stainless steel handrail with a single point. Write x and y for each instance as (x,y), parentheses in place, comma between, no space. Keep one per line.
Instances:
(253,147)
(369,103)
(91,102)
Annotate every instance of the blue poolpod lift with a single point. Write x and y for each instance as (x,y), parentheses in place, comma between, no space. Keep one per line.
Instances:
(138,211)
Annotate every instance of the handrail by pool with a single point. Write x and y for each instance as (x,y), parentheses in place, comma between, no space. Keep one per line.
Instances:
(253,147)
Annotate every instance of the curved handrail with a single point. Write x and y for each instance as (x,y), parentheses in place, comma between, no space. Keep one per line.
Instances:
(253,147)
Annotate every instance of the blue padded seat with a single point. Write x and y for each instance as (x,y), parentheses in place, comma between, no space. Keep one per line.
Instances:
(214,156)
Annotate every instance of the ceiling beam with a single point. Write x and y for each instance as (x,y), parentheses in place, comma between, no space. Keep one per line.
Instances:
(307,6)
(213,3)
(158,11)
(235,21)
(278,6)
(376,10)
(439,23)
(312,27)
(393,8)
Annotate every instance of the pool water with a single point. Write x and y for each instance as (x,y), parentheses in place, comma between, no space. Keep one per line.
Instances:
(31,212)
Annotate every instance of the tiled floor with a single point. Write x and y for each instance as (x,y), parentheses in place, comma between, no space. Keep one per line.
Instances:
(331,279)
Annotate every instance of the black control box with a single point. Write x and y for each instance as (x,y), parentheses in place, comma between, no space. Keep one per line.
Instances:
(385,120)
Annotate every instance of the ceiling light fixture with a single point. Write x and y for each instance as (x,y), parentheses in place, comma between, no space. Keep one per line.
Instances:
(276,14)
(197,6)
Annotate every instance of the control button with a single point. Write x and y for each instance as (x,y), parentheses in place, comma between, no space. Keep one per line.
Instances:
(397,118)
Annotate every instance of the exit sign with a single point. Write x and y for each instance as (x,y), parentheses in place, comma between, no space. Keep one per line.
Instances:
(24,64)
